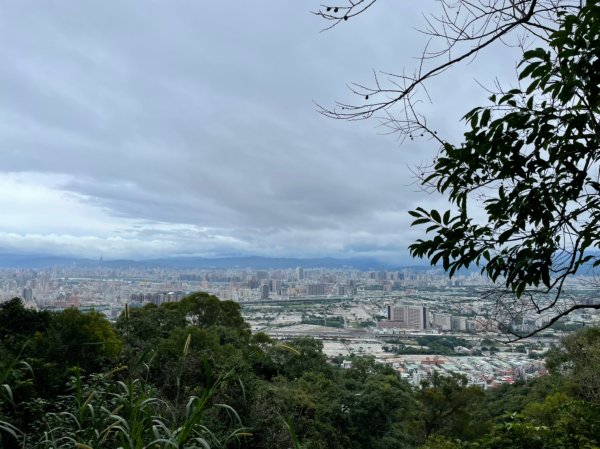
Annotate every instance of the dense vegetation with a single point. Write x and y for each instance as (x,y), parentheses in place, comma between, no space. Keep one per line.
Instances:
(191,374)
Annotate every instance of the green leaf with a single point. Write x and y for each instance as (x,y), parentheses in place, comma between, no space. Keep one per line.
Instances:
(446,217)
(485,118)
(536,53)
(432,228)
(420,221)
(545,273)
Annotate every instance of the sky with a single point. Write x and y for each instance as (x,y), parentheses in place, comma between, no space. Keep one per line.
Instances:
(147,129)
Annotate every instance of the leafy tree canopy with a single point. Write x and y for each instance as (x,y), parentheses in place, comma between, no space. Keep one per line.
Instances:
(78,339)
(144,327)
(532,157)
(18,323)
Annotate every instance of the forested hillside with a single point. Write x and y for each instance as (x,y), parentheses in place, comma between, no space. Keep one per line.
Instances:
(192,375)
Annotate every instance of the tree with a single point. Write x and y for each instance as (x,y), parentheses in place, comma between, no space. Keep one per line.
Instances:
(146,326)
(532,157)
(447,406)
(204,310)
(77,339)
(18,324)
(382,403)
(299,356)
(559,422)
(577,360)
(523,184)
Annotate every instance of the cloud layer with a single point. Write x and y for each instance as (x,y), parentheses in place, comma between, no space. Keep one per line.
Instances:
(150,129)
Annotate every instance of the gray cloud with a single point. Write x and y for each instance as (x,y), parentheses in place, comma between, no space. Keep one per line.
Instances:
(189,127)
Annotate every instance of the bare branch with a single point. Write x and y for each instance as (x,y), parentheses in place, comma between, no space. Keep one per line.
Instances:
(337,14)
(555,319)
(353,112)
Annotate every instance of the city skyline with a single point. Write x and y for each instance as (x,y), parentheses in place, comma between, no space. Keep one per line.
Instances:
(153,130)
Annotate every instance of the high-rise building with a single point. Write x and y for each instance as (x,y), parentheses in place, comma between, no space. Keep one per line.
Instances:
(27,294)
(406,316)
(316,289)
(275,285)
(459,323)
(300,273)
(442,321)
(264,291)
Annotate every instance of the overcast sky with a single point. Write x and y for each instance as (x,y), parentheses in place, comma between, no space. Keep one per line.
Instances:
(145,129)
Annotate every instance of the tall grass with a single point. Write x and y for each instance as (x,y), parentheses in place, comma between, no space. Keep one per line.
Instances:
(108,411)
(128,415)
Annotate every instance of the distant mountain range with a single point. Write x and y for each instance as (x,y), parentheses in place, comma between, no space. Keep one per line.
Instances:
(255,262)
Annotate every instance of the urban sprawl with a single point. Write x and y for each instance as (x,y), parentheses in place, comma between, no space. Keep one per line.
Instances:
(416,320)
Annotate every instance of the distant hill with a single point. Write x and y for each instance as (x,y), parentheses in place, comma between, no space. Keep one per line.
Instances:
(39,261)
(264,262)
(255,262)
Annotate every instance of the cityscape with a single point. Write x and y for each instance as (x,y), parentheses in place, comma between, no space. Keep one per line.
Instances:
(416,320)
(300,225)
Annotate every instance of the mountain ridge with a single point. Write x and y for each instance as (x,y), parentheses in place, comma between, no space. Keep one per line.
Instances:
(40,261)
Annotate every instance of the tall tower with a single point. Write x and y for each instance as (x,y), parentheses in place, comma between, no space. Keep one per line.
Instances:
(264,291)
(300,273)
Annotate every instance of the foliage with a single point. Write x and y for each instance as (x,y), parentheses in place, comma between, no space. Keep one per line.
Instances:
(206,382)
(17,323)
(144,327)
(331,321)
(532,156)
(78,339)
(447,407)
(306,355)
(579,358)
(204,310)
(430,345)
(104,413)
(558,423)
